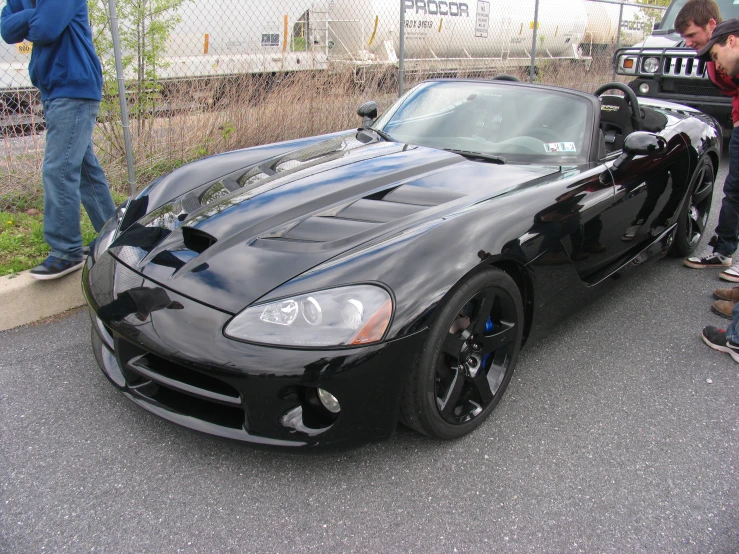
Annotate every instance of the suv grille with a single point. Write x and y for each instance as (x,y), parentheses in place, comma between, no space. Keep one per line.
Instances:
(684,66)
(697,89)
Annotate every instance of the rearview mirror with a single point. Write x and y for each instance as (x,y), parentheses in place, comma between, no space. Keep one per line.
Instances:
(368,113)
(640,143)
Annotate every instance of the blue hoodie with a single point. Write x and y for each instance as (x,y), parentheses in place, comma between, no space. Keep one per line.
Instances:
(63,61)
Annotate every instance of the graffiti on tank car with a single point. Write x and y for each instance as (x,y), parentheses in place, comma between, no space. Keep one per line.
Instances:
(437,7)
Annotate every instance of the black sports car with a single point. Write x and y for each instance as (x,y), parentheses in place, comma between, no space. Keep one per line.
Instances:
(314,292)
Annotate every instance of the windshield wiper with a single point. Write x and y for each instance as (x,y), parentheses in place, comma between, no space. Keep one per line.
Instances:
(479,155)
(383,134)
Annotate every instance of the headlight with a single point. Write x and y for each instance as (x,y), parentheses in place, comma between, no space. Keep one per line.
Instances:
(344,316)
(650,65)
(109,231)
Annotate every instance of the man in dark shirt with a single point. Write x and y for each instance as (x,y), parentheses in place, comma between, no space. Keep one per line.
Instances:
(696,22)
(723,50)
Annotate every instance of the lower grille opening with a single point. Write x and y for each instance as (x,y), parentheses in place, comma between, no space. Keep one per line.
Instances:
(204,410)
(182,374)
(180,389)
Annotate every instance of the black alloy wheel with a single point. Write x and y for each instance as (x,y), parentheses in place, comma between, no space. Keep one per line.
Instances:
(691,223)
(469,357)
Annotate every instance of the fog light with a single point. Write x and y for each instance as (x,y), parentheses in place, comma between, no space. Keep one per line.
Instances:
(644,88)
(329,401)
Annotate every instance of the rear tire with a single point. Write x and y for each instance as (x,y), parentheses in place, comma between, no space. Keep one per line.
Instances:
(468,358)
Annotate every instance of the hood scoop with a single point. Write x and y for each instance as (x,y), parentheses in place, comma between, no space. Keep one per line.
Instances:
(363,215)
(197,240)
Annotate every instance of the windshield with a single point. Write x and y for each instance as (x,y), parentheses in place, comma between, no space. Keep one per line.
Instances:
(521,123)
(729,9)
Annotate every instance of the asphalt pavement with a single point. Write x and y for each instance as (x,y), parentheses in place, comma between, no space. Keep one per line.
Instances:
(618,434)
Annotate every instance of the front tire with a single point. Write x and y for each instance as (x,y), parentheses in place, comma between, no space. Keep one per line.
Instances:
(691,223)
(468,359)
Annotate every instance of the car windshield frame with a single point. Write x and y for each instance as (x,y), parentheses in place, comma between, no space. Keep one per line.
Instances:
(519,122)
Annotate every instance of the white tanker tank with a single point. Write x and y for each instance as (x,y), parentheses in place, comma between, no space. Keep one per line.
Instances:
(437,29)
(602,29)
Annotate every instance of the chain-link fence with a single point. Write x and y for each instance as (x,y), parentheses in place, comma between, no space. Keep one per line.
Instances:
(205,76)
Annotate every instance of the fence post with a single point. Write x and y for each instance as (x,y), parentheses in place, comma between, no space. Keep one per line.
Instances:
(401,55)
(122,95)
(533,42)
(618,36)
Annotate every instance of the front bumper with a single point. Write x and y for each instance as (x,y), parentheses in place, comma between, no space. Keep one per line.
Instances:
(167,353)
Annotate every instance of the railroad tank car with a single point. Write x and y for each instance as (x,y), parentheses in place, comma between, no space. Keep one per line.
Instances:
(602,28)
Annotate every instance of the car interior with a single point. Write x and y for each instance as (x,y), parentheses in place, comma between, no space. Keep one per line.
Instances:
(617,122)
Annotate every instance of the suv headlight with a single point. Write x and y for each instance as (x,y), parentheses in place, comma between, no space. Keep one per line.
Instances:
(650,65)
(353,315)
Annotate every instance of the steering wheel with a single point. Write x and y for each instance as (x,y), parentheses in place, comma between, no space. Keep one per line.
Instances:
(543,134)
(506,77)
(630,99)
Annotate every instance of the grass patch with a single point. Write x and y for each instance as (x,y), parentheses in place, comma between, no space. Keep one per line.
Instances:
(22,243)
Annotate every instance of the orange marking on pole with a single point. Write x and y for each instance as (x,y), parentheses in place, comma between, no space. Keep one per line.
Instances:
(206,42)
(284,39)
(374,31)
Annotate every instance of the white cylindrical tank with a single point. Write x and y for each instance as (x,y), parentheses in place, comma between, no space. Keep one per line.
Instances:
(602,28)
(451,29)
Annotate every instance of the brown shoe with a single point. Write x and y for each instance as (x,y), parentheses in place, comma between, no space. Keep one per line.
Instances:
(732,295)
(723,308)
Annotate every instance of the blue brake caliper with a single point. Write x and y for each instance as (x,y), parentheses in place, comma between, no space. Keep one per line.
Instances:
(489,327)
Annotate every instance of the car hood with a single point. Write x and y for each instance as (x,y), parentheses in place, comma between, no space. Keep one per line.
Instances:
(662,41)
(230,242)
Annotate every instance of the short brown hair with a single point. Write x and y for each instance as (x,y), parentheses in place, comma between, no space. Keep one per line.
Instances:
(699,12)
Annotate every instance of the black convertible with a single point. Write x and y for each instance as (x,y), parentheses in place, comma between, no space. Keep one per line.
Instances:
(316,292)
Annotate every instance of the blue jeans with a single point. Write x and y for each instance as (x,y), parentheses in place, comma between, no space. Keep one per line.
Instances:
(727,229)
(72,174)
(732,330)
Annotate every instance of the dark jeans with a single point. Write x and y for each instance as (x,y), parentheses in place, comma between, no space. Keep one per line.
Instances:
(727,229)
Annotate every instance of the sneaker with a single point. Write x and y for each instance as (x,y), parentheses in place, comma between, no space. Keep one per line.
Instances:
(630,233)
(731,274)
(732,295)
(707,258)
(723,308)
(53,268)
(716,339)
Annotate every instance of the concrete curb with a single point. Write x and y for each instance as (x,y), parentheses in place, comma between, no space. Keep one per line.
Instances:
(24,300)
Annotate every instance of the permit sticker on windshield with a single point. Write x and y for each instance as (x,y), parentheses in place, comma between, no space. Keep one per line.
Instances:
(560,147)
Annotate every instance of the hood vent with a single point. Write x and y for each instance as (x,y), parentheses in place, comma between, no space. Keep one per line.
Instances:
(366,214)
(196,240)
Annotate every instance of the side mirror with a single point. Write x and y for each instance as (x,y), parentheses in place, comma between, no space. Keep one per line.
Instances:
(657,26)
(368,113)
(640,143)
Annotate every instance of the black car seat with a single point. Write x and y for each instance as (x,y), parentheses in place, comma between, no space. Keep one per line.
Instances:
(616,121)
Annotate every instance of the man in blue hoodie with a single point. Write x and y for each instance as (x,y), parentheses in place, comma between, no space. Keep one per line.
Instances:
(65,68)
